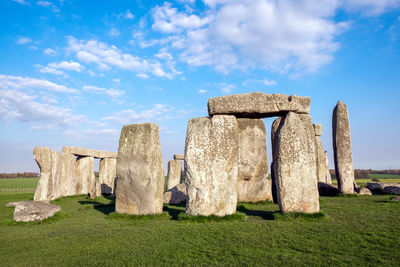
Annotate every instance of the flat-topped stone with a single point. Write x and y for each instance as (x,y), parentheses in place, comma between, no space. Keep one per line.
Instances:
(258,105)
(28,211)
(179,157)
(80,151)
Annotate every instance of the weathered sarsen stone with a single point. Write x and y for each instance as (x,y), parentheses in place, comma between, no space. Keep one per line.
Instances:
(211,165)
(295,171)
(253,184)
(85,175)
(176,195)
(80,151)
(68,179)
(274,129)
(174,173)
(179,156)
(139,169)
(342,149)
(42,156)
(322,165)
(107,175)
(257,105)
(28,211)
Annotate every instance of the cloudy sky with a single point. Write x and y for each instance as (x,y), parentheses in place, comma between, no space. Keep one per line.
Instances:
(74,72)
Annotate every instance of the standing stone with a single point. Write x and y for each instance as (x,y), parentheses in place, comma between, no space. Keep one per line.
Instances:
(211,165)
(179,156)
(140,171)
(96,190)
(328,177)
(42,156)
(85,175)
(295,168)
(68,175)
(342,149)
(107,175)
(274,129)
(174,173)
(55,176)
(322,165)
(253,184)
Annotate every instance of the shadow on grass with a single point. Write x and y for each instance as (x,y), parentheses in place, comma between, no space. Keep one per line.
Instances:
(174,211)
(103,208)
(265,215)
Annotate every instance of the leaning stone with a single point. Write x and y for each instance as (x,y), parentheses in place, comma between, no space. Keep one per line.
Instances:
(211,165)
(140,170)
(295,168)
(176,195)
(317,129)
(42,156)
(179,157)
(85,175)
(327,190)
(253,184)
(363,191)
(68,175)
(174,173)
(257,105)
(28,211)
(80,151)
(107,175)
(342,149)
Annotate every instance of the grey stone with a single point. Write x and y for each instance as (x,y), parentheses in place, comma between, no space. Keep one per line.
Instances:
(327,190)
(295,168)
(342,149)
(42,156)
(363,191)
(375,187)
(107,175)
(28,211)
(257,105)
(55,191)
(85,175)
(140,171)
(179,157)
(328,177)
(79,151)
(253,184)
(211,165)
(176,195)
(391,188)
(174,173)
(322,167)
(395,199)
(96,190)
(317,129)
(274,129)
(67,176)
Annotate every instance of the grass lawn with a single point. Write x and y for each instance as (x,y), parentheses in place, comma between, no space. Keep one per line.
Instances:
(18,183)
(359,231)
(384,176)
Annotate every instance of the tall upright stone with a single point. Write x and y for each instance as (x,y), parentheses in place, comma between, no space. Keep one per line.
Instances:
(295,168)
(321,155)
(42,156)
(85,174)
(68,175)
(174,173)
(211,165)
(107,175)
(55,175)
(274,129)
(328,177)
(253,184)
(342,149)
(140,171)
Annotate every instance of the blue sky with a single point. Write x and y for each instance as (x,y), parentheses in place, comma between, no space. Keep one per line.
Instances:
(74,72)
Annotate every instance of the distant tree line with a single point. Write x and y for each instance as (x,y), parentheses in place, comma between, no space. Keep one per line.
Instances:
(367,173)
(19,175)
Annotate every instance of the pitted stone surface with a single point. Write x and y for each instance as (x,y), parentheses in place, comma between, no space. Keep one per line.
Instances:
(179,157)
(322,163)
(140,171)
(317,129)
(176,195)
(174,173)
(342,149)
(257,105)
(28,211)
(85,175)
(274,129)
(328,177)
(80,151)
(67,176)
(253,184)
(42,156)
(211,165)
(107,175)
(295,171)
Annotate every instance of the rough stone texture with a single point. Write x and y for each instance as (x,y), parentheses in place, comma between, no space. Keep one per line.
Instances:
(322,167)
(295,168)
(342,149)
(395,199)
(179,157)
(55,191)
(375,187)
(257,105)
(96,190)
(174,173)
(107,175)
(253,184)
(176,195)
(328,177)
(140,170)
(79,151)
(67,176)
(327,190)
(42,156)
(384,188)
(211,165)
(274,129)
(85,175)
(28,211)
(317,129)
(363,191)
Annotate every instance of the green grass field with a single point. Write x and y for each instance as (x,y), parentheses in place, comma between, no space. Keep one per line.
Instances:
(358,231)
(10,183)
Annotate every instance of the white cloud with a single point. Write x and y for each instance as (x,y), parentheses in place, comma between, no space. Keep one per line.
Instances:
(56,68)
(202,91)
(116,80)
(22,83)
(269,82)
(22,2)
(49,5)
(50,52)
(264,81)
(129,15)
(107,56)
(142,75)
(99,90)
(114,32)
(23,40)
(227,88)
(370,7)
